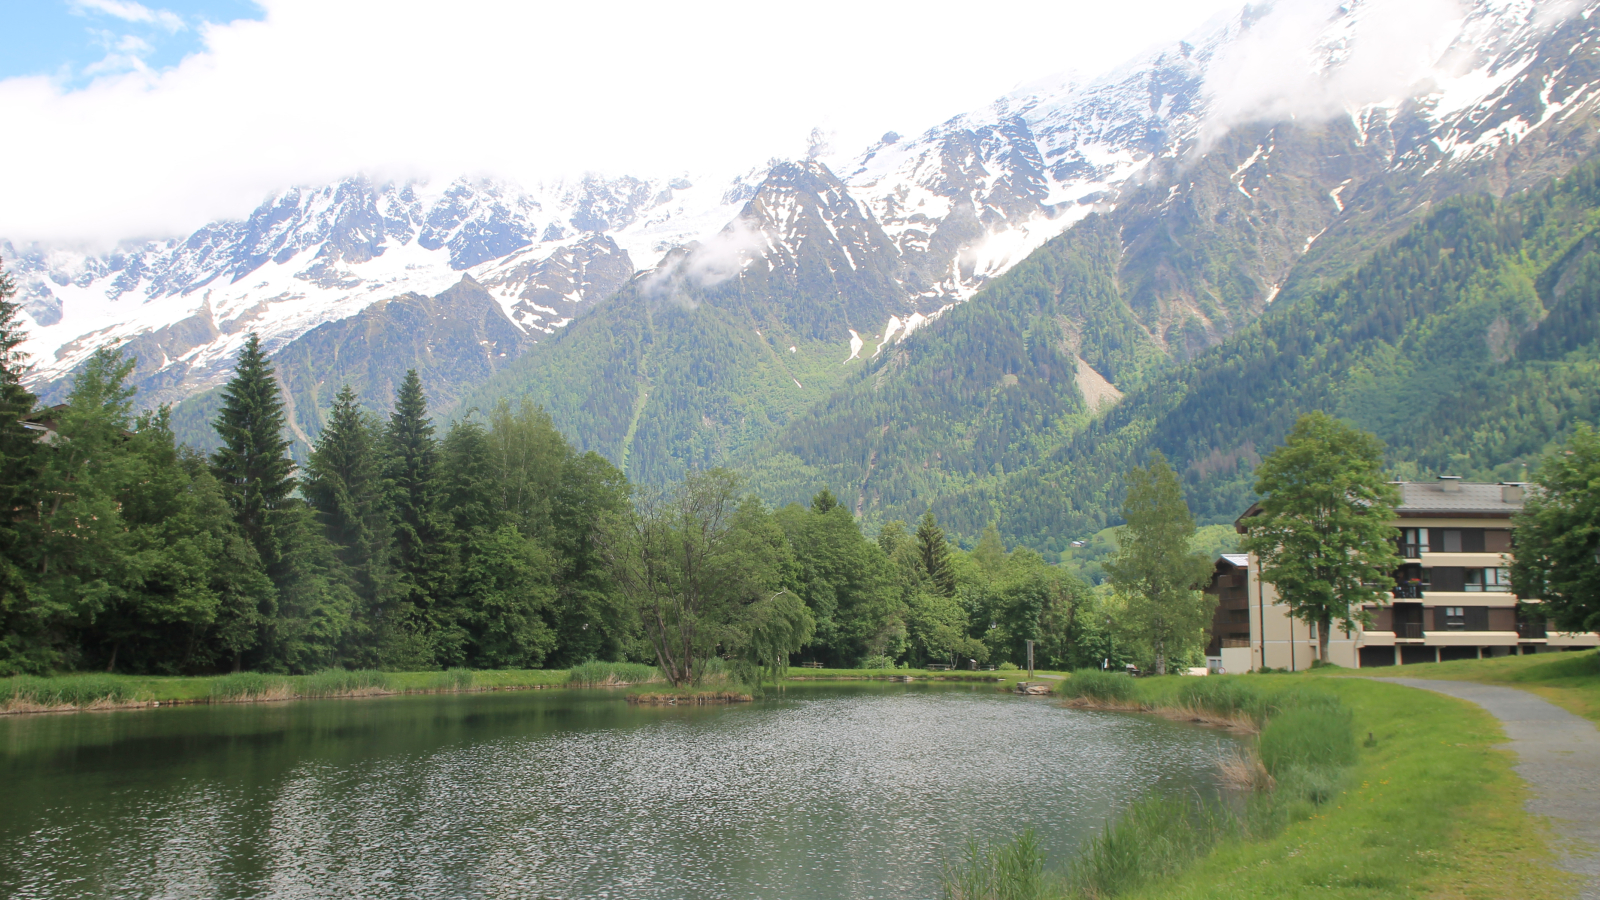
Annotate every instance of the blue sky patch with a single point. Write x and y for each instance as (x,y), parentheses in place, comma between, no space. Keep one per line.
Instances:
(74,41)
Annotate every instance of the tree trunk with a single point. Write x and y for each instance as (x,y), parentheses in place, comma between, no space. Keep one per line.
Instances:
(112,665)
(238,661)
(1324,627)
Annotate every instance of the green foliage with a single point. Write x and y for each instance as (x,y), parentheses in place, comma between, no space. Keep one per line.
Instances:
(1152,839)
(1308,737)
(1558,536)
(342,682)
(252,463)
(1227,697)
(1323,533)
(597,674)
(74,690)
(250,686)
(1100,686)
(1008,870)
(1155,573)
(703,569)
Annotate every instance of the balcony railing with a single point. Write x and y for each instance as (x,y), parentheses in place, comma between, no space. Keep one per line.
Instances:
(1411,631)
(1235,642)
(1531,630)
(1407,592)
(1410,551)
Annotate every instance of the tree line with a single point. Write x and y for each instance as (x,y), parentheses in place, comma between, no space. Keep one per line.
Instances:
(492,544)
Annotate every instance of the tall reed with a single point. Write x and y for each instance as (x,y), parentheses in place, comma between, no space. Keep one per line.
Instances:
(63,691)
(602,674)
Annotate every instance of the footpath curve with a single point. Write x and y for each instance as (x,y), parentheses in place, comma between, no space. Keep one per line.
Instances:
(1558,754)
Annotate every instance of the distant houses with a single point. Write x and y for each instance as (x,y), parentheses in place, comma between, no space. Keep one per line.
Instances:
(1452,596)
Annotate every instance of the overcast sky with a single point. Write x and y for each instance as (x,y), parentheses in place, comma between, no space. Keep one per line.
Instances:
(126,119)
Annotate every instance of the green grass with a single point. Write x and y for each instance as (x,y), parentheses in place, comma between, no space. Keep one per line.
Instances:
(1570,680)
(68,690)
(600,674)
(80,691)
(1428,808)
(1431,810)
(1113,688)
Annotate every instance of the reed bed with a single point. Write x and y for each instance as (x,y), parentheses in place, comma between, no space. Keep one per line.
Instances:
(25,693)
(612,674)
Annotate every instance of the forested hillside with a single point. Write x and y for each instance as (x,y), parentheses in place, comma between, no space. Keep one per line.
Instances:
(1468,345)
(724,342)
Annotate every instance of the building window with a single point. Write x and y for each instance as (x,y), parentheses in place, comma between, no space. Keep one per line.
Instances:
(1450,539)
(1455,618)
(1413,542)
(1492,580)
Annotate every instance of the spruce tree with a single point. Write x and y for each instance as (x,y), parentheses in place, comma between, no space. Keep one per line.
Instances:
(412,461)
(19,467)
(344,483)
(934,553)
(253,462)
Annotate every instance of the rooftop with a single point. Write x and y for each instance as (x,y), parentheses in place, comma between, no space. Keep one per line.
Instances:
(1453,496)
(1449,496)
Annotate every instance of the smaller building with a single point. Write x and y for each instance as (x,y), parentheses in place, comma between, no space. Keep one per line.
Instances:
(1229,647)
(1451,597)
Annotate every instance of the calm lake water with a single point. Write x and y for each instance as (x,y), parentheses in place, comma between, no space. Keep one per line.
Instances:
(844,790)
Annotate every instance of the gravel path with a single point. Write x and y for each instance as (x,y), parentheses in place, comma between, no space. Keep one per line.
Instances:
(1558,754)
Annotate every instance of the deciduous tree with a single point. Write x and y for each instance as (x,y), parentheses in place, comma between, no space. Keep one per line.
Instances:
(1558,535)
(1154,570)
(1323,536)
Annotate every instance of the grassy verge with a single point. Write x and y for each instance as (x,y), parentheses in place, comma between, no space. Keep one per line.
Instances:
(1426,808)
(1005,679)
(1571,680)
(104,691)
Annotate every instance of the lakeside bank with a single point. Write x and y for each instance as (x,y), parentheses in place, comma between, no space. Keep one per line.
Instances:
(1429,806)
(92,691)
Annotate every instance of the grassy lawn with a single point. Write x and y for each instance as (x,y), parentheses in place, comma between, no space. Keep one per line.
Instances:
(1570,680)
(1430,811)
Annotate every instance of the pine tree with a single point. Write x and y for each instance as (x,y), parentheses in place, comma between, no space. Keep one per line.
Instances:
(934,553)
(344,484)
(253,462)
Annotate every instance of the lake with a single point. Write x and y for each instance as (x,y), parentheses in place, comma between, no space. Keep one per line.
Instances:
(851,789)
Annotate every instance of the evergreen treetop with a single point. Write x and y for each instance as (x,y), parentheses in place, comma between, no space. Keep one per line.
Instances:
(253,463)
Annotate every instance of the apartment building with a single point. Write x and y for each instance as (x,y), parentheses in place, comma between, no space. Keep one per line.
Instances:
(1451,599)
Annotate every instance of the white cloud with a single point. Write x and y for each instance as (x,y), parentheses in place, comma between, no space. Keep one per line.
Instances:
(1315,59)
(1280,68)
(528,91)
(128,11)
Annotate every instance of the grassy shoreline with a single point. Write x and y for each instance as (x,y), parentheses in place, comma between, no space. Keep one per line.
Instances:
(1428,807)
(92,691)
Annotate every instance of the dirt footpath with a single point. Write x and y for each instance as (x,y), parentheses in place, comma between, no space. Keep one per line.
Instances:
(1558,754)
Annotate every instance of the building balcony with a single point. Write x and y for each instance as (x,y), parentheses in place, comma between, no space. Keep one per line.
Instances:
(1531,631)
(1407,591)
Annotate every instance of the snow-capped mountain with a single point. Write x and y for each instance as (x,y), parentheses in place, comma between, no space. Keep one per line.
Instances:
(933,218)
(309,256)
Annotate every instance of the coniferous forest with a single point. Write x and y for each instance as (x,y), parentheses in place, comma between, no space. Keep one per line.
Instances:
(399,545)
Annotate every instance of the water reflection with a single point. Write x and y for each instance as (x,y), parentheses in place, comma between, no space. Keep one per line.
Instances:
(832,791)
